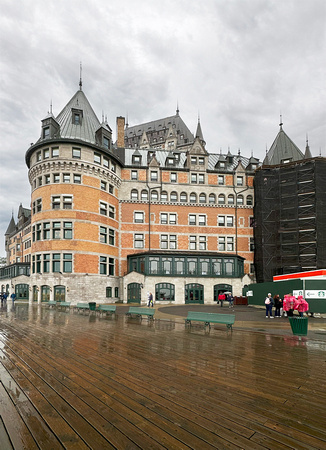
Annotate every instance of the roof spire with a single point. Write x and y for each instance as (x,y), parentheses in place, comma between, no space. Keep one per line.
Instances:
(51,106)
(281,121)
(177,110)
(307,154)
(80,77)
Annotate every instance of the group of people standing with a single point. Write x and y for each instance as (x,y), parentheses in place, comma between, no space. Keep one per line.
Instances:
(4,297)
(225,296)
(285,306)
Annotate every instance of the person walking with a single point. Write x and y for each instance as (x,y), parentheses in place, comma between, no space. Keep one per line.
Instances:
(230,299)
(269,306)
(150,300)
(221,298)
(13,298)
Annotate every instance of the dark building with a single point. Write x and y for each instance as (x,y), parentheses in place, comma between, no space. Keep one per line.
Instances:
(289,211)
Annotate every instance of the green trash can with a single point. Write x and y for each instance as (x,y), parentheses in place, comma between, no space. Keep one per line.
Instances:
(92,306)
(299,325)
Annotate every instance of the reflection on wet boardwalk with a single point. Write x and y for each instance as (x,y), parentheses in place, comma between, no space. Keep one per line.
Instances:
(76,381)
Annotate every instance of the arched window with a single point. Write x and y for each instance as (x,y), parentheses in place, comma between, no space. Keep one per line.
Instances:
(45,293)
(164,292)
(193,198)
(154,196)
(212,198)
(183,197)
(231,199)
(174,196)
(144,195)
(202,198)
(240,199)
(249,200)
(164,196)
(221,199)
(134,194)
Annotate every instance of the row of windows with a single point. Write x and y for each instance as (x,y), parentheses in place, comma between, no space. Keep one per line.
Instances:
(66,202)
(67,178)
(192,198)
(76,153)
(195,178)
(64,230)
(57,262)
(193,219)
(170,241)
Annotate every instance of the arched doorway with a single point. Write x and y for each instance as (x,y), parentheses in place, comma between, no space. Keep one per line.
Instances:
(22,291)
(59,293)
(45,293)
(134,293)
(218,288)
(194,293)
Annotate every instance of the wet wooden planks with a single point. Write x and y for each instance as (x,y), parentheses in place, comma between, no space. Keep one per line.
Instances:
(103,383)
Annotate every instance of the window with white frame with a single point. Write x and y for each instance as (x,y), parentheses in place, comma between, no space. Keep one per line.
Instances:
(76,153)
(103,185)
(77,178)
(111,212)
(138,240)
(201,178)
(168,218)
(134,175)
(164,196)
(173,197)
(221,243)
(168,241)
(97,158)
(134,194)
(103,208)
(221,199)
(154,175)
(103,235)
(230,243)
(239,180)
(221,221)
(106,162)
(66,177)
(173,177)
(202,198)
(193,178)
(192,242)
(230,199)
(144,195)
(250,201)
(154,195)
(212,198)
(183,197)
(202,243)
(193,197)
(220,180)
(139,216)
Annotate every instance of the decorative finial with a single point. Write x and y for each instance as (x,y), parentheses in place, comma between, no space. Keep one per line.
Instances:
(281,122)
(127,124)
(51,106)
(306,138)
(177,110)
(80,77)
(239,152)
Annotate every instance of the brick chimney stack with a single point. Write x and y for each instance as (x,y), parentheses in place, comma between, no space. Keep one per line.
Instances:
(120,132)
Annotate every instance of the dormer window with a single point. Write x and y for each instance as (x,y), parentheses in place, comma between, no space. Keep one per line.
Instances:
(77,115)
(136,159)
(106,142)
(286,161)
(46,132)
(193,160)
(222,164)
(201,161)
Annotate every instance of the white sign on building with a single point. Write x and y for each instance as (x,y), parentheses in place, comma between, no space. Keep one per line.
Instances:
(309,293)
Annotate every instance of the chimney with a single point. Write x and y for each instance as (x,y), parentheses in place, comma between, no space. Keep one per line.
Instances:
(120,132)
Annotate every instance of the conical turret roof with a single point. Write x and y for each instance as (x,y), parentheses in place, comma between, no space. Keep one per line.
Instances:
(11,227)
(89,124)
(283,149)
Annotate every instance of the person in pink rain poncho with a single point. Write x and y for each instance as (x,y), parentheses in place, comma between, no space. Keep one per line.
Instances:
(303,305)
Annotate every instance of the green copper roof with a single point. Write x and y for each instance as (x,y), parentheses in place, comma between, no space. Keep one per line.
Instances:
(282,149)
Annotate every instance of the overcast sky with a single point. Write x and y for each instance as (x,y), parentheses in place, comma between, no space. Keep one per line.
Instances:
(239,64)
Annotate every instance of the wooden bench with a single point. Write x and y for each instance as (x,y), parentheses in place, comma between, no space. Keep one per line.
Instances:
(64,305)
(51,303)
(81,307)
(140,312)
(208,318)
(107,309)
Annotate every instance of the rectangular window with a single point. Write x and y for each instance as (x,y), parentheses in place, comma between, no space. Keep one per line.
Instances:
(221,221)
(164,218)
(56,178)
(193,160)
(77,178)
(76,153)
(220,180)
(139,217)
(134,175)
(105,142)
(67,202)
(103,235)
(239,181)
(46,230)
(173,177)
(251,221)
(38,263)
(164,241)
(111,188)
(173,219)
(46,262)
(39,181)
(103,185)
(46,132)
(116,292)
(47,179)
(56,227)
(108,292)
(106,162)
(103,265)
(103,209)
(111,266)
(201,220)
(56,262)
(66,177)
(230,244)
(67,262)
(111,236)
(229,221)
(97,158)
(67,230)
(201,161)
(194,178)
(202,242)
(201,178)
(38,231)
(154,175)
(221,244)
(139,241)
(38,156)
(113,167)
(55,152)
(192,242)
(173,241)
(192,219)
(46,153)
(111,212)
(252,245)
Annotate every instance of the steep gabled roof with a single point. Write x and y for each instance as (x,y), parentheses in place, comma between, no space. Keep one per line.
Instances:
(89,123)
(283,148)
(12,228)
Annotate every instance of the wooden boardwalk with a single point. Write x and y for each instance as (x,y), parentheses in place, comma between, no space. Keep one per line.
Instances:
(77,382)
